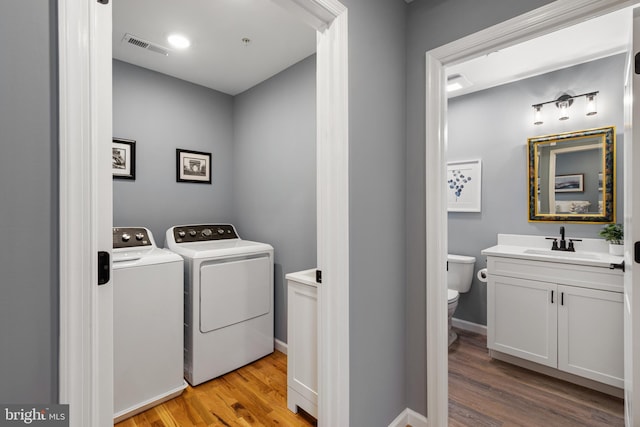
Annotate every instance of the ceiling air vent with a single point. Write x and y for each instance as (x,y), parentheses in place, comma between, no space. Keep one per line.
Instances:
(144,44)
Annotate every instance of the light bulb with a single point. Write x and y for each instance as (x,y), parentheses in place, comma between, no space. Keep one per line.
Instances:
(563,106)
(178,41)
(537,114)
(592,106)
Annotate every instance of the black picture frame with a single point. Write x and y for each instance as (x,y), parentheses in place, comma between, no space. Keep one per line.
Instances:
(123,158)
(193,166)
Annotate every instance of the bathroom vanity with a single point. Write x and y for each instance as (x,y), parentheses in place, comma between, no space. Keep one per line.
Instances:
(557,312)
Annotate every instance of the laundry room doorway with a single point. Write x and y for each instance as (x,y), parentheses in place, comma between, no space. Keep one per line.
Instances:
(86,207)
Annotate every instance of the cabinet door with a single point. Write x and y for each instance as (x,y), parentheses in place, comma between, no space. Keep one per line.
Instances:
(302,337)
(522,319)
(590,334)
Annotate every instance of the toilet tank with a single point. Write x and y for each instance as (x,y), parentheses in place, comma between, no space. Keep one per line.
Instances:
(460,273)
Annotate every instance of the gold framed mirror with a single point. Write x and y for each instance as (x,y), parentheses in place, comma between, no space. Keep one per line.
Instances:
(572,176)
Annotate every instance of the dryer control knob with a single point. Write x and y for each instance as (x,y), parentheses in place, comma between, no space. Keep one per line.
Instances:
(192,233)
(182,233)
(207,232)
(125,237)
(139,236)
(220,231)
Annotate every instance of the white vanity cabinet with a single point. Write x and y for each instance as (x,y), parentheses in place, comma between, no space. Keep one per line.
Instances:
(590,334)
(302,342)
(521,320)
(564,316)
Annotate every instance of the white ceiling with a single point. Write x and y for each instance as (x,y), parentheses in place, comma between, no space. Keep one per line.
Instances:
(217,58)
(590,40)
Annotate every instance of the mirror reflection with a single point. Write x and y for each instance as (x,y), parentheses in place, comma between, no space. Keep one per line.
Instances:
(571,176)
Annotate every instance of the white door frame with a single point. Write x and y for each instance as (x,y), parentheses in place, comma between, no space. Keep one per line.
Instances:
(80,125)
(549,18)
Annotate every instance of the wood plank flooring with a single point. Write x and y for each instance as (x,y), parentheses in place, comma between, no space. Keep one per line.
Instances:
(482,392)
(487,392)
(254,395)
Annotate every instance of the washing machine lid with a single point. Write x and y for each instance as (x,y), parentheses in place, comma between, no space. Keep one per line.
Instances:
(127,258)
(135,246)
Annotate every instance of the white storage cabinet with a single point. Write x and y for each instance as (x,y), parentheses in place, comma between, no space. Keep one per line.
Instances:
(302,341)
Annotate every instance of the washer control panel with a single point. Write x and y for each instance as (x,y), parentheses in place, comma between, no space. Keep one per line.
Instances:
(130,237)
(203,233)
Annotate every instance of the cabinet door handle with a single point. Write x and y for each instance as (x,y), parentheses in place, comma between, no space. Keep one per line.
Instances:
(561,298)
(551,297)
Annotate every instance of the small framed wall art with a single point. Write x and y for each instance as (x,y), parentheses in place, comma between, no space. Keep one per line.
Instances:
(123,158)
(464,189)
(193,166)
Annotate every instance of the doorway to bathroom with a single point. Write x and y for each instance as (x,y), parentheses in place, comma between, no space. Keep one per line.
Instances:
(438,62)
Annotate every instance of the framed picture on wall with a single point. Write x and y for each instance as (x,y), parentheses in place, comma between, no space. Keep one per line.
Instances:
(193,166)
(123,158)
(464,189)
(570,183)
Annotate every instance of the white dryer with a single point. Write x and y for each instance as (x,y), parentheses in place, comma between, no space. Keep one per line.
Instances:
(228,306)
(147,322)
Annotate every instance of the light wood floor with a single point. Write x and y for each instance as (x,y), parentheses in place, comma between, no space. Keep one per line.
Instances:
(254,395)
(487,392)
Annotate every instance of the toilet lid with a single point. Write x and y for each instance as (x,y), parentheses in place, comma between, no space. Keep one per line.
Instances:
(452,295)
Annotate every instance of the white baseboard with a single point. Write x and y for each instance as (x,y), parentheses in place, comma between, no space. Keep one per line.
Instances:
(409,417)
(469,326)
(280,346)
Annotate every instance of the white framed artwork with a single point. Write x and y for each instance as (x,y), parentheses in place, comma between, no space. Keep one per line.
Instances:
(464,186)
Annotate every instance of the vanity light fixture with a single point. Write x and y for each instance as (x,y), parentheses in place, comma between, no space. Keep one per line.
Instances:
(563,103)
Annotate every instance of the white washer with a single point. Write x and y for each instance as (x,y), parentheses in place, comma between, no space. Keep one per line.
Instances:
(147,322)
(228,287)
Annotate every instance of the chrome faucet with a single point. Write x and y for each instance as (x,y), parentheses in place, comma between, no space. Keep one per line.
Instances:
(562,245)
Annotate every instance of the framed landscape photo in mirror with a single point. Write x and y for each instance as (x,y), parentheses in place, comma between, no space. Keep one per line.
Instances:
(573,183)
(123,158)
(193,166)
(572,176)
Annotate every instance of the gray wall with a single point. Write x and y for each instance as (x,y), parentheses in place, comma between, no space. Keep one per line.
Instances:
(274,172)
(431,24)
(263,149)
(377,132)
(493,125)
(162,113)
(29,208)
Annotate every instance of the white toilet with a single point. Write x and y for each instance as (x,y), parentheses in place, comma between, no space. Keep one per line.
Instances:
(459,278)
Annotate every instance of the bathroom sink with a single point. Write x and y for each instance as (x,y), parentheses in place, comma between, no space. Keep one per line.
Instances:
(589,252)
(591,256)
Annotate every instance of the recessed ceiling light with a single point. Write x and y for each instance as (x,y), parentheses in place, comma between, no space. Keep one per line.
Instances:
(178,41)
